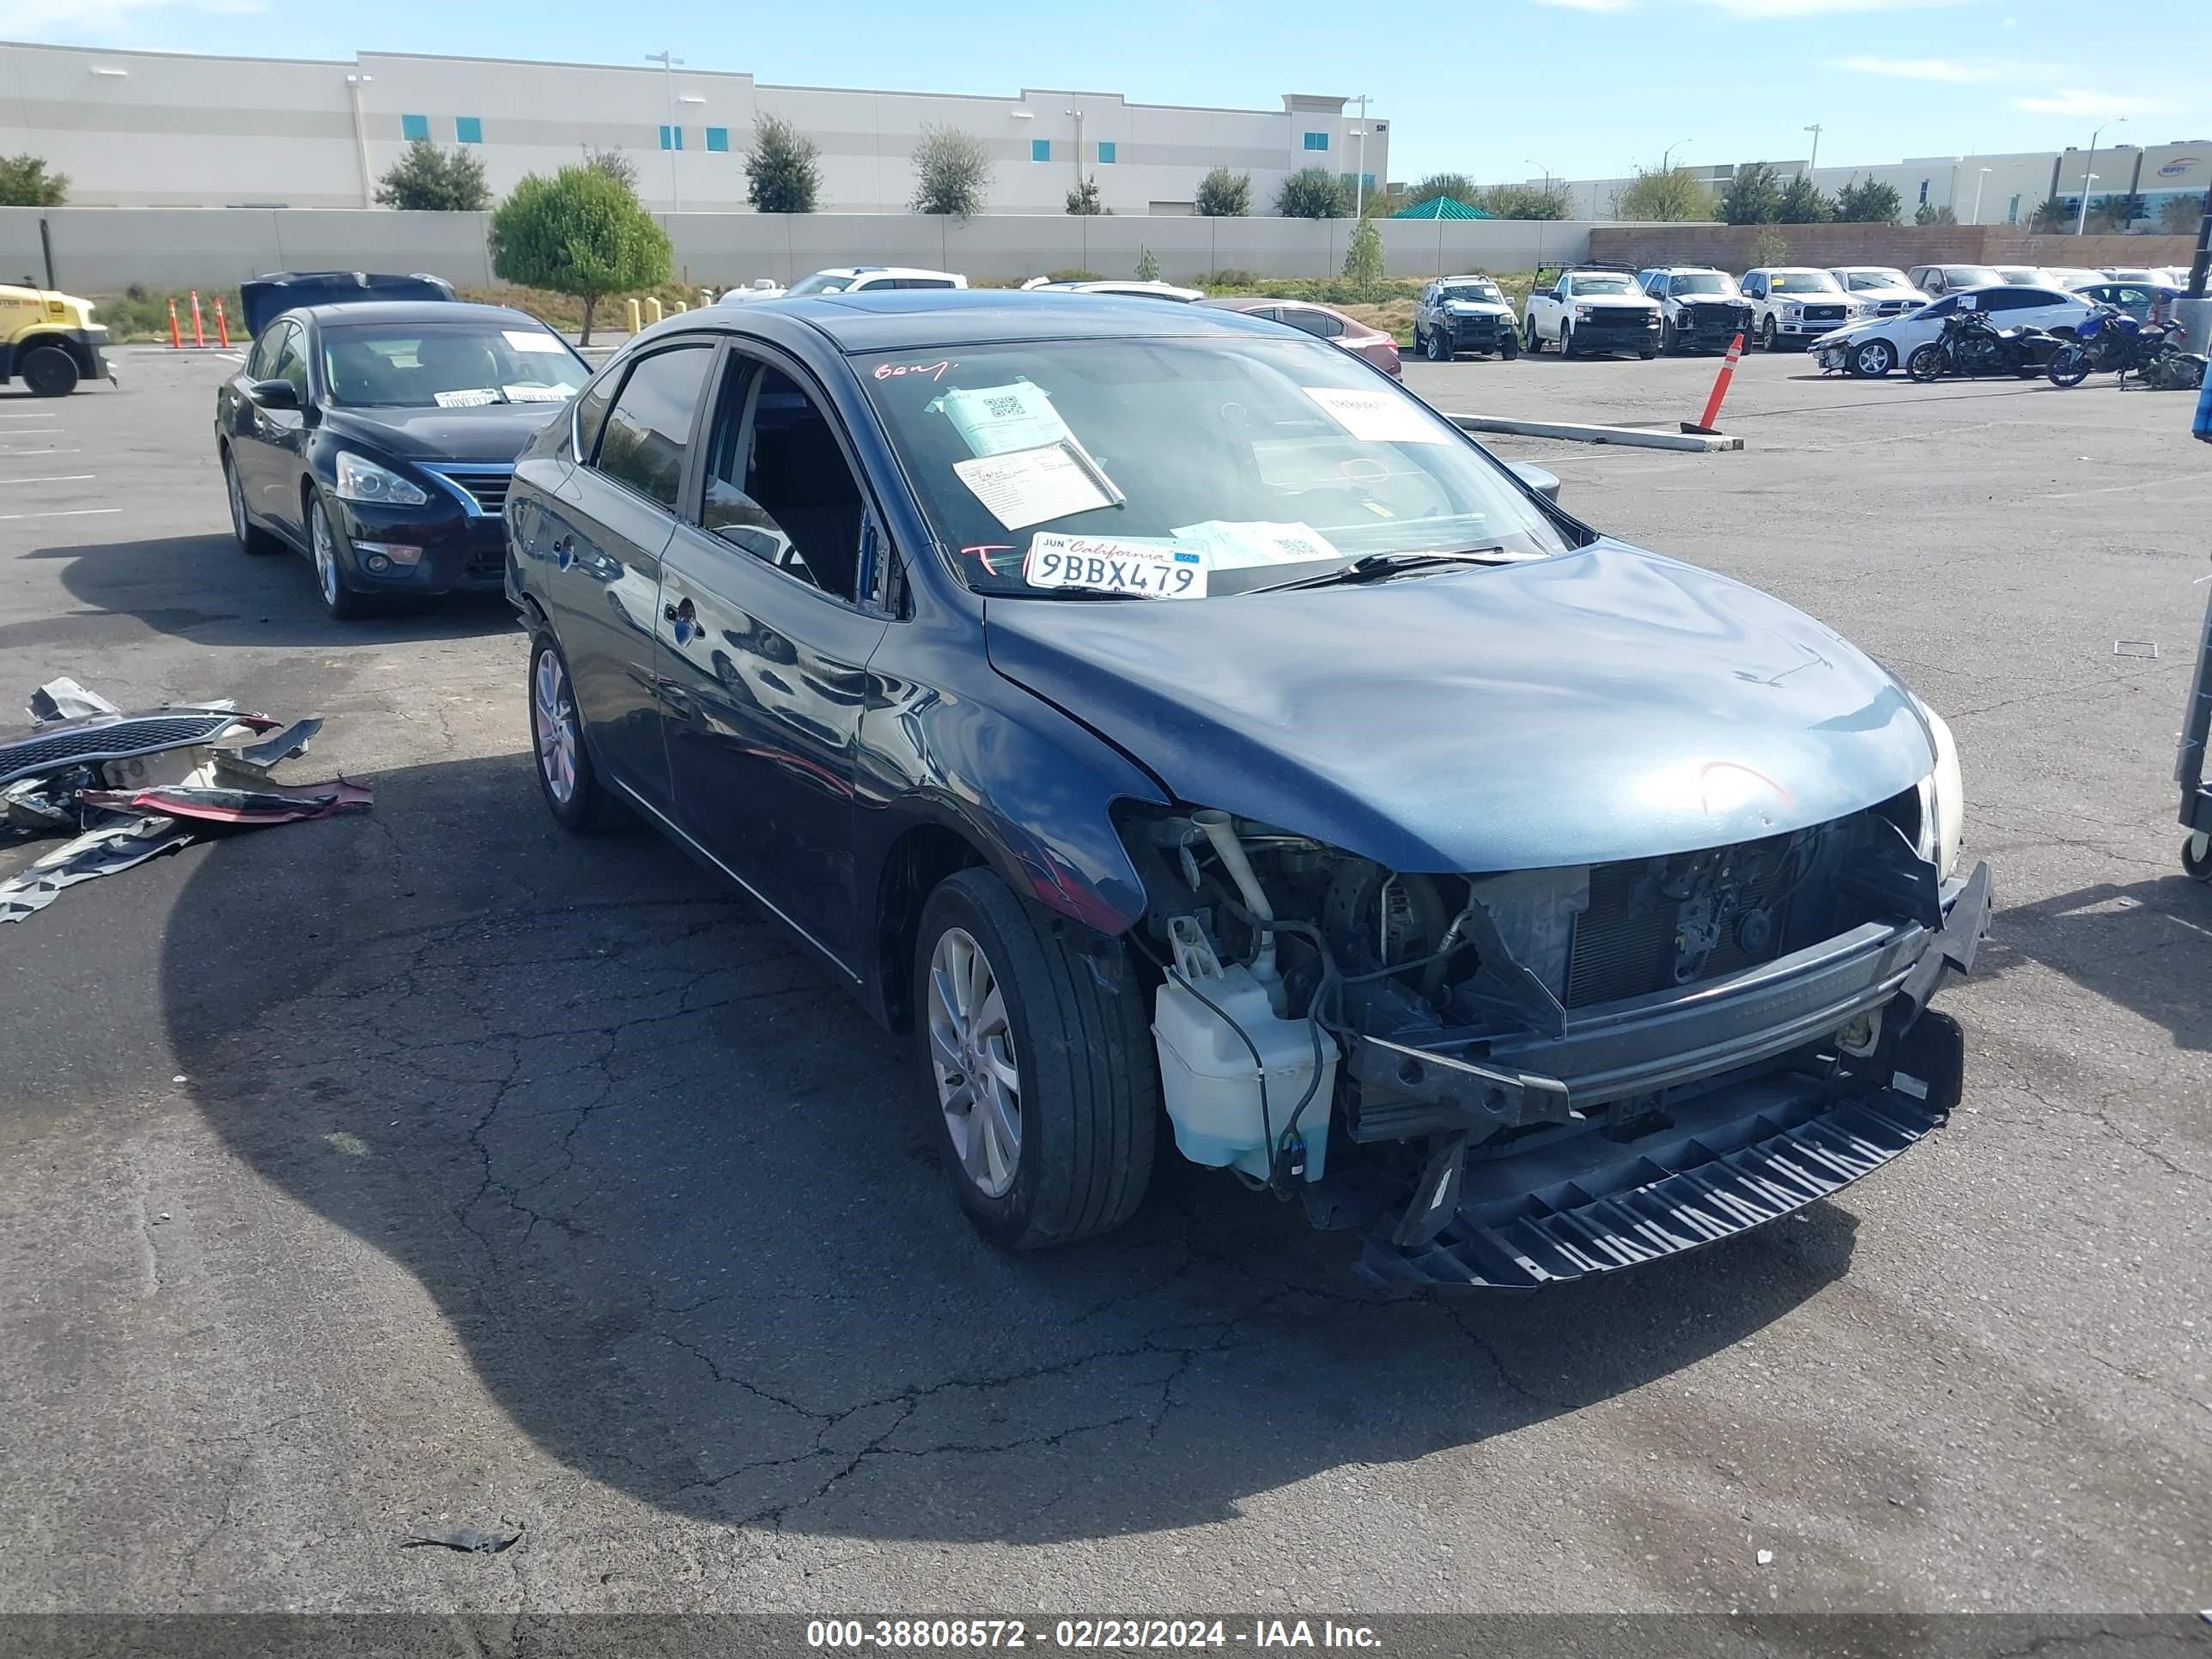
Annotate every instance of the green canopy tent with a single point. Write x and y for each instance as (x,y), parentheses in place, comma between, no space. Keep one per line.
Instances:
(1441,207)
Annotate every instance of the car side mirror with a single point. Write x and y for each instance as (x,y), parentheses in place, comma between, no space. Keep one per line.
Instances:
(274,394)
(1545,483)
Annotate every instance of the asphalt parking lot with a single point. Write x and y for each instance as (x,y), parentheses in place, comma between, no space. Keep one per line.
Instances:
(430,1166)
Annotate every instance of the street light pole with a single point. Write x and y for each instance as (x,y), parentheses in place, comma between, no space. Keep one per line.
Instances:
(1813,166)
(1359,168)
(2081,222)
(1667,156)
(668,66)
(1077,115)
(1980,180)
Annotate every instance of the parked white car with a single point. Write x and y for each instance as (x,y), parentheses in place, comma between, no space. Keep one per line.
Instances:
(1882,287)
(762,288)
(1936,280)
(1872,348)
(1134,286)
(1592,308)
(2073,277)
(862,279)
(1791,305)
(2028,275)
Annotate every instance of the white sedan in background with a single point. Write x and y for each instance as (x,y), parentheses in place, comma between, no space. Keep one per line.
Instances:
(1872,348)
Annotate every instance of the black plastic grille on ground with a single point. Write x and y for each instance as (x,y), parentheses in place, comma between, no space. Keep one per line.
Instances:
(1708,1196)
(115,740)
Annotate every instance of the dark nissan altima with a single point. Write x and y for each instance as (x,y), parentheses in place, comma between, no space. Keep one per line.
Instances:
(1185,732)
(377,437)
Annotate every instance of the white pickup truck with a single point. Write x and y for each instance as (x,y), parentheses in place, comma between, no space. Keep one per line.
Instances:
(1591,308)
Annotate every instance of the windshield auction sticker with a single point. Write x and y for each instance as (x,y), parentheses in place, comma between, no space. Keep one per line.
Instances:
(535,339)
(1033,486)
(1231,546)
(993,420)
(1378,417)
(471,399)
(1155,570)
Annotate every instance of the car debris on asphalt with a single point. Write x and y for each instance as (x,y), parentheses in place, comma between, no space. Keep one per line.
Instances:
(469,1541)
(129,787)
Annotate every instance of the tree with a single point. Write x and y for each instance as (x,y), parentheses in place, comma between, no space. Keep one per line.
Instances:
(1362,258)
(1753,196)
(1872,203)
(1224,195)
(1456,186)
(1313,194)
(952,172)
(25,182)
(1084,198)
(1525,201)
(1148,266)
(1929,214)
(579,232)
(2054,217)
(1803,204)
(781,171)
(1670,195)
(1769,247)
(615,165)
(2109,216)
(433,180)
(2177,216)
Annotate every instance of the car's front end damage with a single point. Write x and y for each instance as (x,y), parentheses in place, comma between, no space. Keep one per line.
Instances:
(1511,1079)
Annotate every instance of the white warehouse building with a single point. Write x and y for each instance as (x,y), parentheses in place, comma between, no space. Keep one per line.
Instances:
(142,129)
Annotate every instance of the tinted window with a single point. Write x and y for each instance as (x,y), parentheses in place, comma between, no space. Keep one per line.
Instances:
(591,415)
(1313,321)
(289,363)
(1475,291)
(2008,299)
(778,485)
(449,366)
(1587,284)
(649,427)
(1705,282)
(258,366)
(917,281)
(1942,307)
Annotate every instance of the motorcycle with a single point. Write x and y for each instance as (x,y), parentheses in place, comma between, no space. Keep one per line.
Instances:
(2111,339)
(1972,345)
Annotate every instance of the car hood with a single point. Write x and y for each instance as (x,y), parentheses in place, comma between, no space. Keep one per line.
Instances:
(1642,302)
(496,431)
(1605,704)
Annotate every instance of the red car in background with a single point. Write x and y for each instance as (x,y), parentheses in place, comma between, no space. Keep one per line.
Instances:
(1354,335)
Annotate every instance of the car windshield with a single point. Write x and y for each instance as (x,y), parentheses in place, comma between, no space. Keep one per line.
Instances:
(1803,282)
(1184,468)
(2022,277)
(1587,284)
(1972,277)
(822,282)
(1859,281)
(449,366)
(1477,292)
(1705,282)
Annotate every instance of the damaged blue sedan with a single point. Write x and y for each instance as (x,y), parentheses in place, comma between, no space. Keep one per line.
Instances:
(1186,732)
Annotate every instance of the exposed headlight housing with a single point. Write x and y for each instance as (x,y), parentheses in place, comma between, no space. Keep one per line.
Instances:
(360,479)
(1943,798)
(1583,313)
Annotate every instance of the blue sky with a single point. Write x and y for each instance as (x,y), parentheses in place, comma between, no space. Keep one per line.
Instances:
(1586,88)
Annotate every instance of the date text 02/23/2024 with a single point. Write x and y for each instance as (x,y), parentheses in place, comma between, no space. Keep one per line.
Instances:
(1086,1635)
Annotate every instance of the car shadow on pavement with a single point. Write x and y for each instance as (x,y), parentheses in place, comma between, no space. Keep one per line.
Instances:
(2142,945)
(206,590)
(679,1201)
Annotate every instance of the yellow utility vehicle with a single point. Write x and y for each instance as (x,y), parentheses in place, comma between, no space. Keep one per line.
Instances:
(48,341)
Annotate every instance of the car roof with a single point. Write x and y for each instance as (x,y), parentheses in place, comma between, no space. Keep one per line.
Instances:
(389,312)
(879,270)
(923,318)
(1471,276)
(1680,270)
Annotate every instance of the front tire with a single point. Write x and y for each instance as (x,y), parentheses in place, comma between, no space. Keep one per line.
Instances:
(1872,359)
(1509,346)
(1436,350)
(48,371)
(1037,1064)
(2197,856)
(1566,339)
(340,598)
(1769,338)
(1926,363)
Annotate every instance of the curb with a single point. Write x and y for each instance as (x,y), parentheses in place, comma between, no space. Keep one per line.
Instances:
(1634,437)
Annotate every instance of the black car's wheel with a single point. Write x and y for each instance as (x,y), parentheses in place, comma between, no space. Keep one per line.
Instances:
(1039,1068)
(250,536)
(1438,350)
(566,776)
(1926,363)
(1648,353)
(340,598)
(48,371)
(1870,359)
(1769,338)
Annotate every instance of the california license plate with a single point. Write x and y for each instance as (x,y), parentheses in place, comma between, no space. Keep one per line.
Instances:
(1106,565)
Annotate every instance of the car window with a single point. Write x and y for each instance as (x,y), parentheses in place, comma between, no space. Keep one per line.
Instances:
(821,283)
(923,281)
(290,362)
(1705,282)
(591,414)
(1971,276)
(2134,296)
(258,366)
(1476,292)
(1226,459)
(649,427)
(778,484)
(1603,282)
(1313,320)
(448,365)
(1942,307)
(2006,299)
(1804,282)
(1754,286)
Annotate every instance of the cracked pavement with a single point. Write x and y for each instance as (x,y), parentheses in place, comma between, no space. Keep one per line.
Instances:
(513,1178)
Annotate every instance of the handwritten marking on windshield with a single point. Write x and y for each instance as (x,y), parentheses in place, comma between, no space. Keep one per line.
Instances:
(935,370)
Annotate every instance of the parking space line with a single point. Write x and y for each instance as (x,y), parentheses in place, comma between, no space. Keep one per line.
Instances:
(30,431)
(57,477)
(64,513)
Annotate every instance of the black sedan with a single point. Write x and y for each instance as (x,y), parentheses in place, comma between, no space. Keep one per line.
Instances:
(1184,730)
(378,439)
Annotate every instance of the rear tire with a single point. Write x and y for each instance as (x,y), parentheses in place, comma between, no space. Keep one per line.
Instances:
(579,802)
(2196,857)
(1062,1035)
(48,371)
(250,536)
(1534,342)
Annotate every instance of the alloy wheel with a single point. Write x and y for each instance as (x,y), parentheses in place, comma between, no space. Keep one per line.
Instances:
(553,724)
(971,1054)
(236,491)
(1876,358)
(326,557)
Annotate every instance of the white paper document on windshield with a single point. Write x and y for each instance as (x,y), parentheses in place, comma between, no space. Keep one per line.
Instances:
(526,393)
(471,399)
(535,339)
(1035,486)
(1147,567)
(1235,546)
(1379,417)
(995,420)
